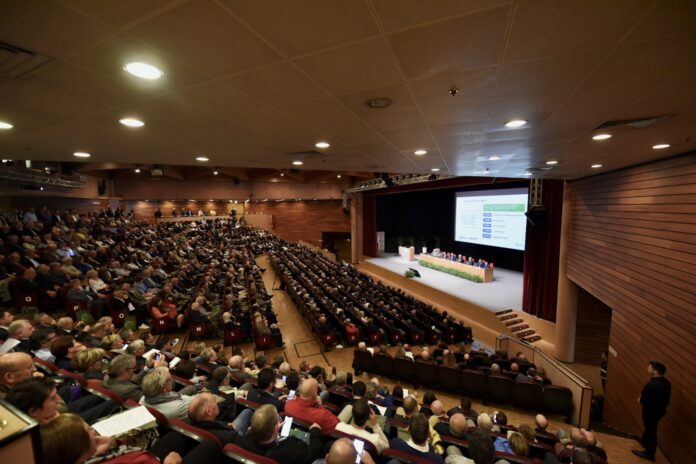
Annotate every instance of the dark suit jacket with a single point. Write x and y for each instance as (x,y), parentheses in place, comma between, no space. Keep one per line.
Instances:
(219,429)
(262,396)
(290,450)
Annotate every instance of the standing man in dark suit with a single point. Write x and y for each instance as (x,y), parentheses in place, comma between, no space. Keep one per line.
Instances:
(655,399)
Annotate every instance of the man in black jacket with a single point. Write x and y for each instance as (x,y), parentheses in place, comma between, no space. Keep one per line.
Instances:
(263,394)
(655,399)
(203,412)
(262,438)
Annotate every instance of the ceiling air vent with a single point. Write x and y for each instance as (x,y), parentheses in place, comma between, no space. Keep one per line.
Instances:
(17,62)
(637,123)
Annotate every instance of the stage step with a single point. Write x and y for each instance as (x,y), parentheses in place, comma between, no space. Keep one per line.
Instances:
(504,311)
(525,333)
(507,317)
(532,339)
(517,328)
(512,322)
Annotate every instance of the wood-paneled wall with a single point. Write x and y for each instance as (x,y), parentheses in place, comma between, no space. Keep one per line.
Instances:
(633,245)
(592,329)
(305,220)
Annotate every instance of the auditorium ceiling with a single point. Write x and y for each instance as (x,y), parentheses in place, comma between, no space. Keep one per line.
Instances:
(256,83)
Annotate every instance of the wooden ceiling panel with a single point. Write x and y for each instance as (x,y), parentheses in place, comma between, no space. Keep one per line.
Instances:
(277,85)
(353,68)
(316,25)
(400,14)
(466,42)
(46,27)
(542,28)
(178,29)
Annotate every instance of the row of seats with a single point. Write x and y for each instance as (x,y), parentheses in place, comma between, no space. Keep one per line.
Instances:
(495,388)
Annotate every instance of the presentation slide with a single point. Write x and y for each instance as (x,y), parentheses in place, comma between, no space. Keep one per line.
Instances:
(492,217)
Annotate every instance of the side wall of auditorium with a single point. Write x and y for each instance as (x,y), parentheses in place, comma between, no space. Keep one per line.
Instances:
(632,244)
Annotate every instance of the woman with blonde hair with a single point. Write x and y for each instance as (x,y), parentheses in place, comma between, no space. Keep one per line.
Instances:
(88,362)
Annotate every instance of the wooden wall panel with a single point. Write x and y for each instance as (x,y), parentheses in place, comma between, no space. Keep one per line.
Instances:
(632,245)
(305,220)
(592,329)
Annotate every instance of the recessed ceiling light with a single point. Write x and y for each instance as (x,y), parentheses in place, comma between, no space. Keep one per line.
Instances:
(551,162)
(601,136)
(210,200)
(282,174)
(131,122)
(435,170)
(661,146)
(215,173)
(143,70)
(202,159)
(515,123)
(297,163)
(493,158)
(137,170)
(5,125)
(81,154)
(420,152)
(339,176)
(596,166)
(322,145)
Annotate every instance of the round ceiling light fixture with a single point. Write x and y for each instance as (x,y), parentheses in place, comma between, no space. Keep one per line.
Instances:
(378,102)
(297,163)
(322,145)
(5,125)
(420,152)
(552,162)
(202,159)
(661,146)
(81,154)
(435,170)
(131,122)
(596,166)
(137,170)
(602,136)
(493,158)
(515,123)
(143,70)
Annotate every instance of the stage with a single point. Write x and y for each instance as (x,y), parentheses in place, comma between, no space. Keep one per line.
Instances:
(505,292)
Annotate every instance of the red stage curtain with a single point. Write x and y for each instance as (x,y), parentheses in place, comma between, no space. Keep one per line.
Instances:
(541,253)
(370,226)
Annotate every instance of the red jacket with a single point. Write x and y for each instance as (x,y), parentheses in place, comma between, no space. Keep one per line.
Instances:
(308,410)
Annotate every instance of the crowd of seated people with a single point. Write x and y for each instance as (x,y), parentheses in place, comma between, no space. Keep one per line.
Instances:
(236,406)
(471,261)
(199,274)
(337,298)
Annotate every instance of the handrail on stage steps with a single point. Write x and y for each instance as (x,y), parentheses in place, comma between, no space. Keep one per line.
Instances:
(559,373)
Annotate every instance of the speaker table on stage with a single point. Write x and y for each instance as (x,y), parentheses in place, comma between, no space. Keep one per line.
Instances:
(407,253)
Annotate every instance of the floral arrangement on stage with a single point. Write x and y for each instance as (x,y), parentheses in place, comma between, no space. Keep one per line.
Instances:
(454,272)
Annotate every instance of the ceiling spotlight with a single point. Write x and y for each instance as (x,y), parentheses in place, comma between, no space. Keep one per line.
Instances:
(297,163)
(551,162)
(215,173)
(515,123)
(596,166)
(601,136)
(322,145)
(420,152)
(5,125)
(137,170)
(282,174)
(81,154)
(143,70)
(339,176)
(493,158)
(661,146)
(202,159)
(131,122)
(435,170)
